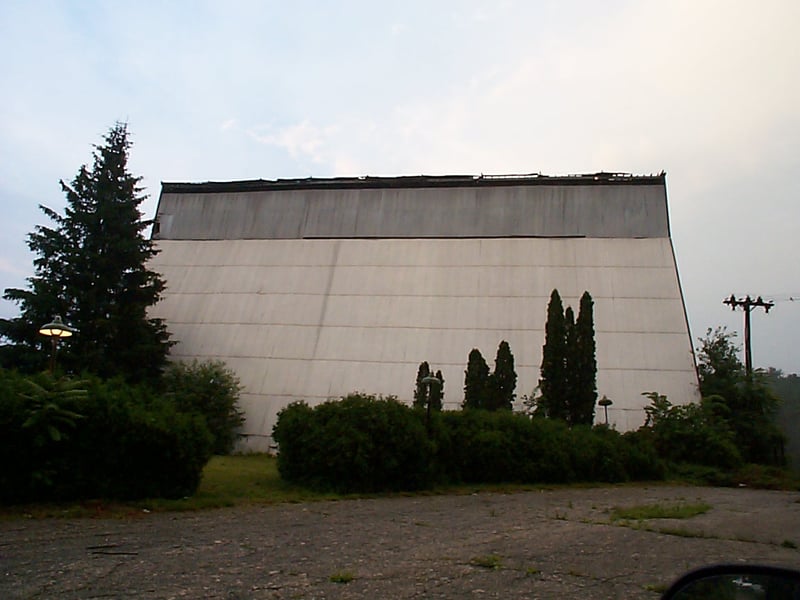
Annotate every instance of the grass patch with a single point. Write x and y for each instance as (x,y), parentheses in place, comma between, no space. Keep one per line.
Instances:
(659,511)
(240,480)
(342,577)
(488,561)
(788,544)
(253,479)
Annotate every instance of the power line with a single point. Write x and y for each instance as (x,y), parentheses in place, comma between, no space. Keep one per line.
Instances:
(776,298)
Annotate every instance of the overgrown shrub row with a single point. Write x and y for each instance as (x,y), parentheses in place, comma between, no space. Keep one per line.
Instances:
(68,439)
(480,447)
(364,443)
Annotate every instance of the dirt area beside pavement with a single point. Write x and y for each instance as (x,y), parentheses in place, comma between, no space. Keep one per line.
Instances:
(542,544)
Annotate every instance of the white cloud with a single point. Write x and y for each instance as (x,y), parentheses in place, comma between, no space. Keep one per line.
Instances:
(302,140)
(227,125)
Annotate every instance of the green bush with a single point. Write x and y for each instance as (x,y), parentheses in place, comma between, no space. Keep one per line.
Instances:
(749,402)
(153,448)
(598,454)
(209,389)
(692,433)
(477,446)
(39,417)
(642,459)
(361,443)
(21,465)
(162,452)
(108,440)
(548,451)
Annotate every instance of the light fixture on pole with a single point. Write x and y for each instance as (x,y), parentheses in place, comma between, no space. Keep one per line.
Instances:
(605,403)
(56,330)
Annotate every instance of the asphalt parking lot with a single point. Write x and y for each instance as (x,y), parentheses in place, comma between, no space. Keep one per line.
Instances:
(558,543)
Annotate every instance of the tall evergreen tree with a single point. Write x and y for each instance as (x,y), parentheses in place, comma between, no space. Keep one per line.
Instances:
(91,268)
(570,362)
(552,384)
(421,389)
(476,381)
(437,392)
(503,381)
(425,392)
(583,372)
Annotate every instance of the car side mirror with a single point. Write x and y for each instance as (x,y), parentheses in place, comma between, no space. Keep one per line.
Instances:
(736,582)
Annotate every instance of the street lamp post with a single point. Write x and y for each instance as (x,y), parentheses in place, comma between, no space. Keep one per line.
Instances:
(605,403)
(56,330)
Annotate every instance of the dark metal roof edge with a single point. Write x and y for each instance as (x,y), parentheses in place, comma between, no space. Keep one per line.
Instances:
(411,181)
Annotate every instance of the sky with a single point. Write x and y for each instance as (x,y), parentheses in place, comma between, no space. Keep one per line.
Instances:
(708,91)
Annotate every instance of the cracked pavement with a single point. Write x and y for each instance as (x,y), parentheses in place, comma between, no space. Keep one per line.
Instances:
(559,543)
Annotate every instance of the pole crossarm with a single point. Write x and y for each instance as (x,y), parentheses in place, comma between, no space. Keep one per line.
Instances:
(747,303)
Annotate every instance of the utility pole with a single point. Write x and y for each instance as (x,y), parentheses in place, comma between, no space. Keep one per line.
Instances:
(748,304)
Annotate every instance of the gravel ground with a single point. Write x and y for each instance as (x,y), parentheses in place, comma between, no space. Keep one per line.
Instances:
(542,544)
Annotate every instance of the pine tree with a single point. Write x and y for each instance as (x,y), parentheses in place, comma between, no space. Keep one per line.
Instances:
(552,384)
(476,381)
(437,393)
(91,268)
(421,389)
(584,370)
(503,381)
